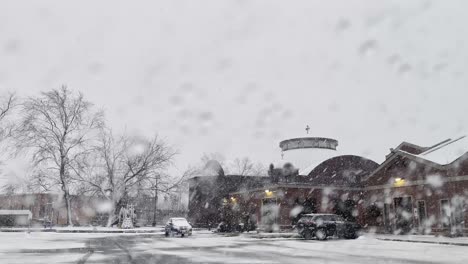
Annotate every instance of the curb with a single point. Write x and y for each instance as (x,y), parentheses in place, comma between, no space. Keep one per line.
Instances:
(83,231)
(426,242)
(110,232)
(26,230)
(269,235)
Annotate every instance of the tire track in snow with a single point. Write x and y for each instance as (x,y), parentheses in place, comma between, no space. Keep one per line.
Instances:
(83,259)
(127,252)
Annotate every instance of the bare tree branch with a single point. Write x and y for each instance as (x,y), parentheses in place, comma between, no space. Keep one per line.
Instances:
(122,166)
(7,103)
(57,127)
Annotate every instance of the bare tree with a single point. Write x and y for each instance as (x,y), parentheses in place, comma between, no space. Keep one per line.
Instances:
(239,166)
(57,128)
(213,156)
(246,167)
(7,103)
(125,164)
(162,183)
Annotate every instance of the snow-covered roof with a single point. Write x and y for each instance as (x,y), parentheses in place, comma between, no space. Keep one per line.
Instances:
(16,212)
(447,152)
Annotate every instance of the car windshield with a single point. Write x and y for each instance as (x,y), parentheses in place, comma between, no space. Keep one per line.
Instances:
(305,219)
(234,131)
(338,218)
(319,219)
(180,222)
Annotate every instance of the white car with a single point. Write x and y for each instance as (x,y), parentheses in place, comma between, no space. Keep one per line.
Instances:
(178,226)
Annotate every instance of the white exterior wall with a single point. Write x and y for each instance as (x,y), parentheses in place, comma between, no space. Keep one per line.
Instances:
(308,158)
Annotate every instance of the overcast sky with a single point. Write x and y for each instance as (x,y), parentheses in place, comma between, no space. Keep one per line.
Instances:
(236,77)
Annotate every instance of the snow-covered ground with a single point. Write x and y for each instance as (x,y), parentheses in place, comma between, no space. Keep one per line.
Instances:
(206,247)
(85,229)
(423,239)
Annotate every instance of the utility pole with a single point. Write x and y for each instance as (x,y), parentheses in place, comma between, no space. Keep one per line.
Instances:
(155,201)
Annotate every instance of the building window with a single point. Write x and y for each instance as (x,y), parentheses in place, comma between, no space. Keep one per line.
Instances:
(403,214)
(458,214)
(445,212)
(269,212)
(422,214)
(387,220)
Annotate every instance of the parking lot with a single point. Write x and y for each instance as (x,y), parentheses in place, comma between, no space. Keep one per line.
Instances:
(208,247)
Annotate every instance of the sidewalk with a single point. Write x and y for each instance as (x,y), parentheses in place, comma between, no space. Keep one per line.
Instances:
(457,241)
(431,239)
(88,229)
(262,235)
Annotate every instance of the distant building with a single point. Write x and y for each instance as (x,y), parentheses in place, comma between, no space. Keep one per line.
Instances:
(87,210)
(50,206)
(15,217)
(287,192)
(416,189)
(208,195)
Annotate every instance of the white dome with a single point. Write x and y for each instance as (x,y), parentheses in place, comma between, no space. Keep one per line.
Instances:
(307,159)
(308,152)
(212,168)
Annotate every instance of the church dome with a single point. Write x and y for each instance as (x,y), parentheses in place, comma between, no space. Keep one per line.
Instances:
(345,170)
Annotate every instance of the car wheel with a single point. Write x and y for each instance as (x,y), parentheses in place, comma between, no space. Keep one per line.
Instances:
(351,236)
(307,235)
(182,235)
(321,234)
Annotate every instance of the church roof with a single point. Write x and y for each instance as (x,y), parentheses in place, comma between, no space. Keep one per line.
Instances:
(447,152)
(345,170)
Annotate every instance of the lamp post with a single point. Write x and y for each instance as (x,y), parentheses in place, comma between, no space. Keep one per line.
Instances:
(50,214)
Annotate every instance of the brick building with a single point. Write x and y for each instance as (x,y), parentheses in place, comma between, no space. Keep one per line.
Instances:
(416,189)
(287,192)
(421,188)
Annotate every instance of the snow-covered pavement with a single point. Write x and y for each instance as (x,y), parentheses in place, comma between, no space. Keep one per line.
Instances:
(205,247)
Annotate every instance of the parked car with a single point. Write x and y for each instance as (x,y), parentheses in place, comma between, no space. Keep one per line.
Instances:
(322,226)
(178,226)
(224,227)
(44,222)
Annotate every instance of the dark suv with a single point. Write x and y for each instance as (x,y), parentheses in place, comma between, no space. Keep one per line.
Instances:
(322,226)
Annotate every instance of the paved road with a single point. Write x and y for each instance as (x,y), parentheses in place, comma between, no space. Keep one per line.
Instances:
(211,248)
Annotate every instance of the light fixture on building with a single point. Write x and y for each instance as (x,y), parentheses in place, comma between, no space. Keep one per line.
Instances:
(399,182)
